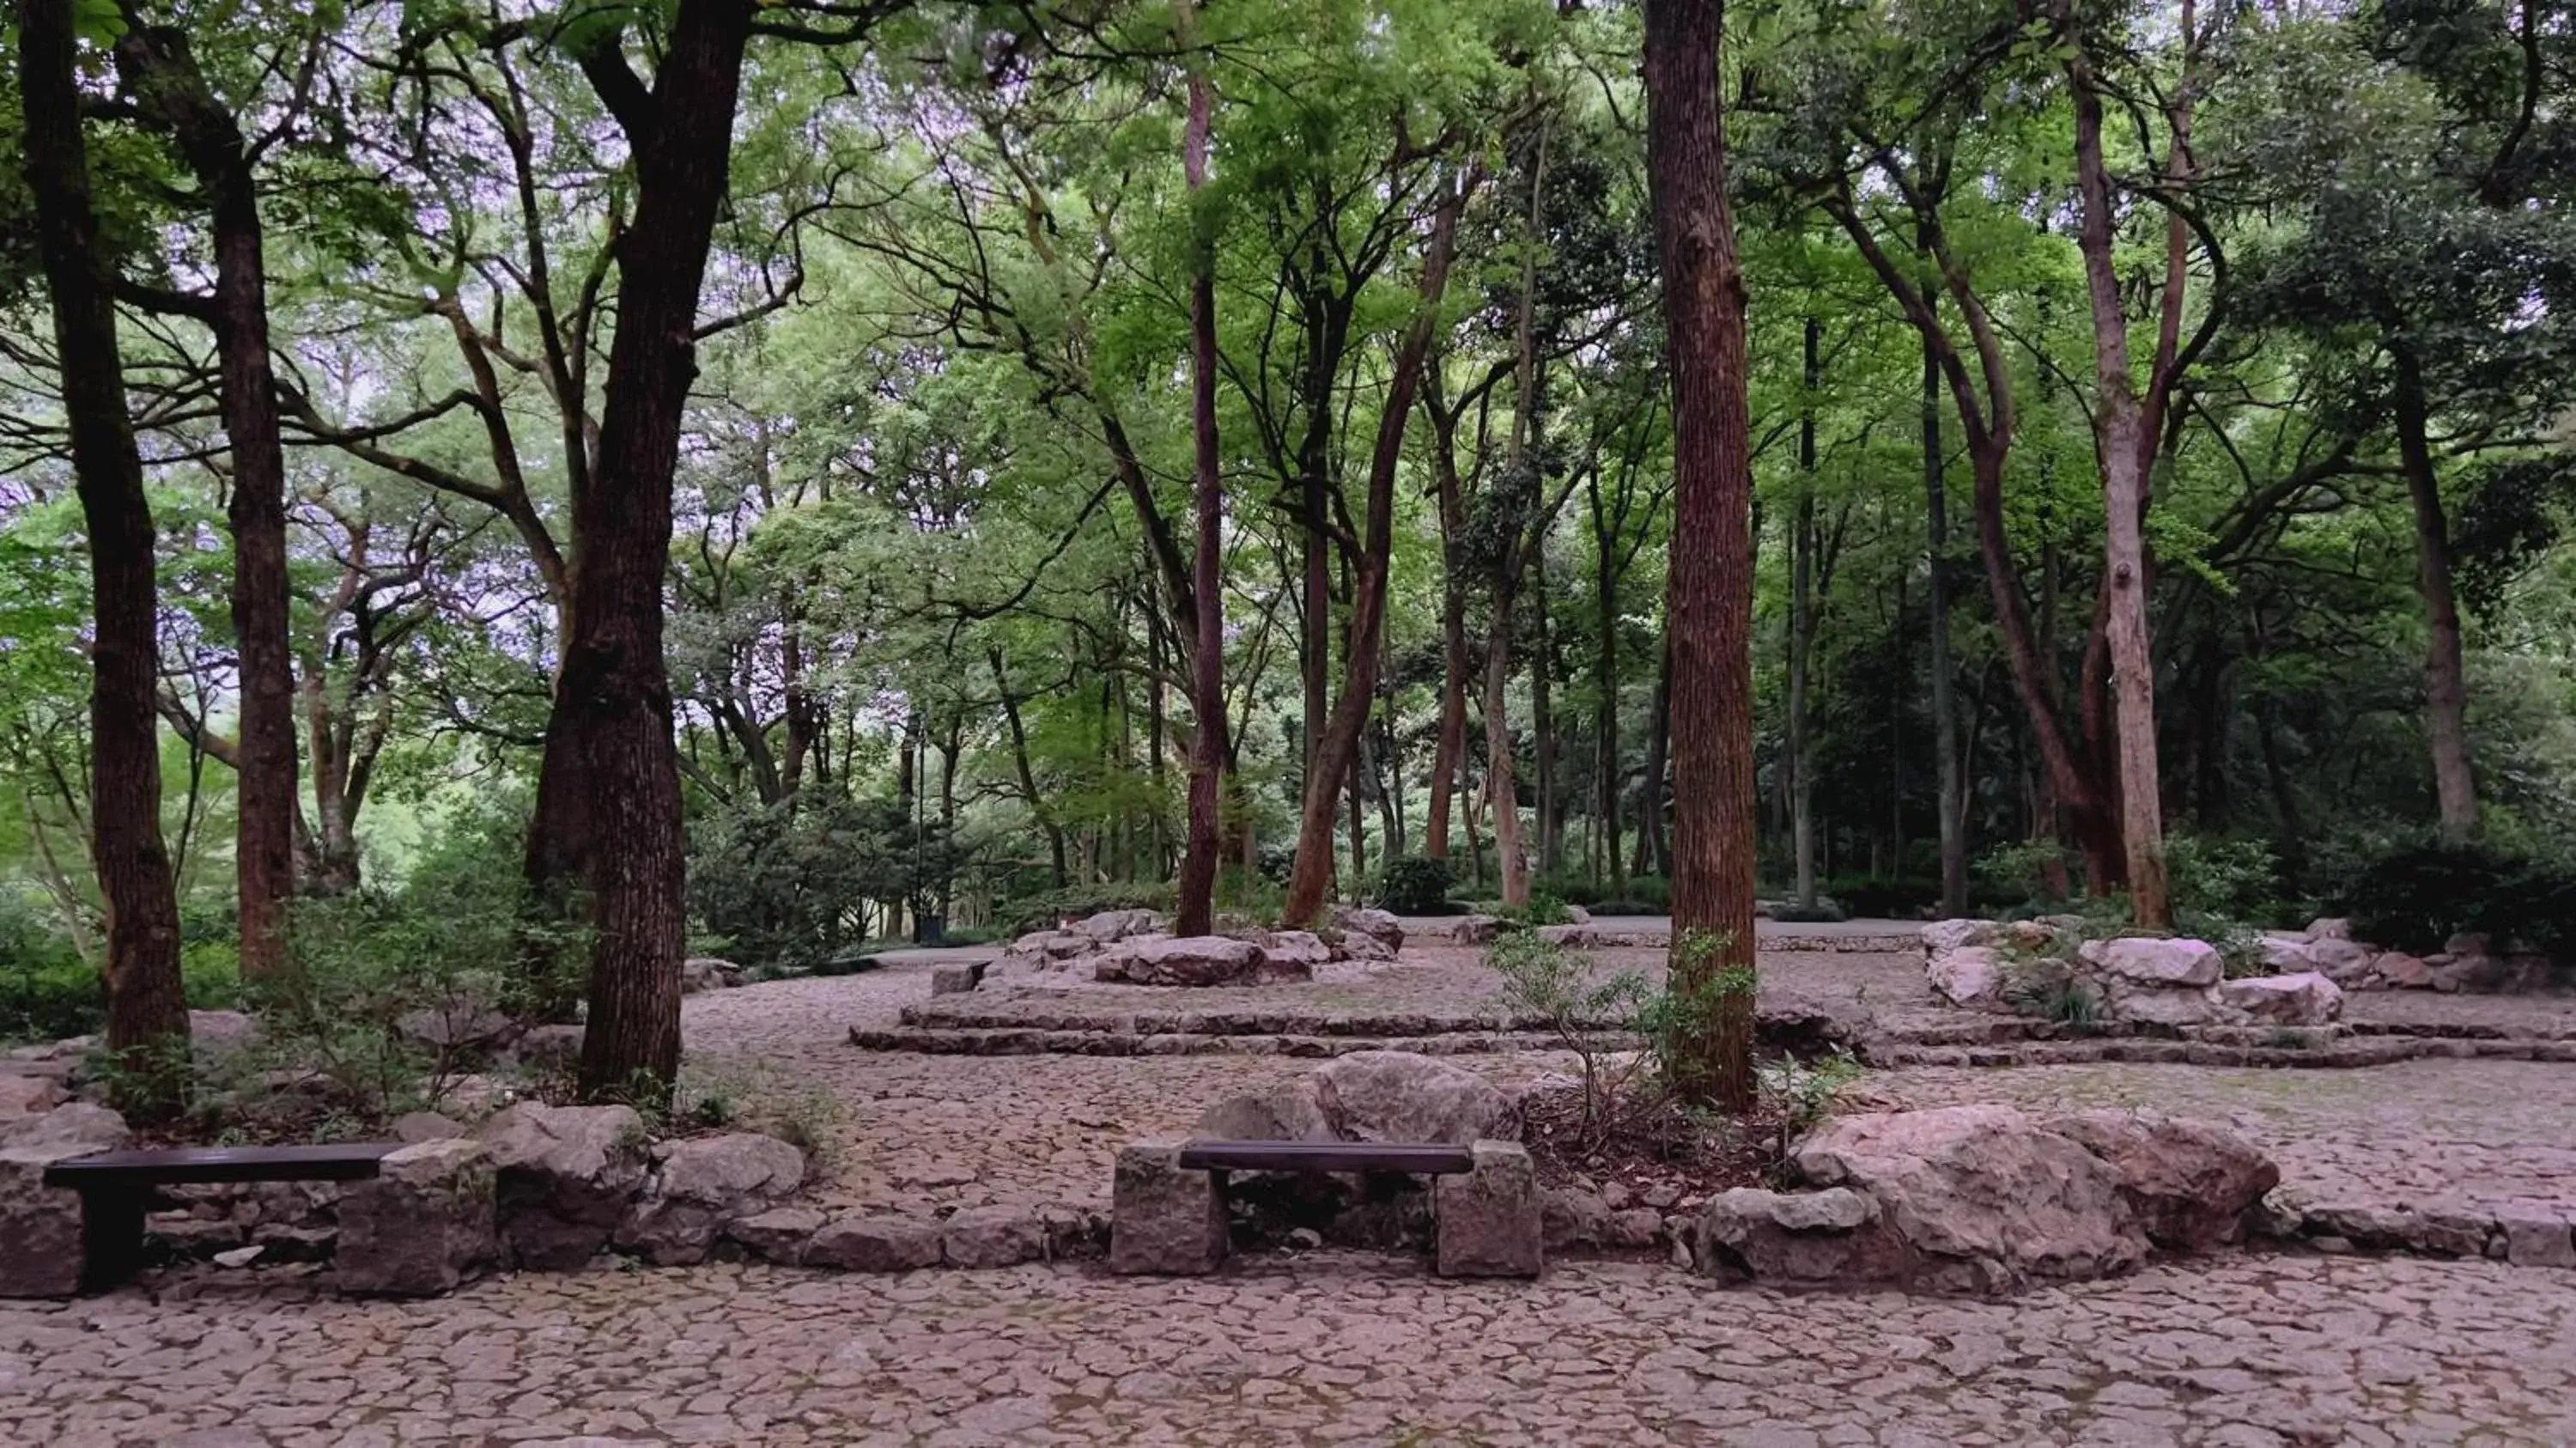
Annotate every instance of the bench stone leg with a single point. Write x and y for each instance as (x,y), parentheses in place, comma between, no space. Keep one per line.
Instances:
(422,1226)
(1489,1218)
(112,1237)
(1163,1218)
(53,1240)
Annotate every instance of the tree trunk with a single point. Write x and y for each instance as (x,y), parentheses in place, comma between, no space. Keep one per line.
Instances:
(616,695)
(2455,788)
(147,1009)
(1709,593)
(1313,872)
(1197,902)
(1551,811)
(1802,628)
(172,93)
(1605,718)
(1945,687)
(1502,791)
(2124,452)
(1452,742)
(1652,856)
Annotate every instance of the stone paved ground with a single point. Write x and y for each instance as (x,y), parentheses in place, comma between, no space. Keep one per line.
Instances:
(2251,1351)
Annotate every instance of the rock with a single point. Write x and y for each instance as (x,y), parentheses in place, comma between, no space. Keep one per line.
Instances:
(778,1235)
(425,1222)
(874,1244)
(1289,1111)
(565,1177)
(2337,960)
(992,1237)
(956,978)
(1355,946)
(552,1050)
(1569,937)
(458,1027)
(707,972)
(2305,999)
(1577,915)
(1984,1198)
(2468,942)
(1198,960)
(1970,976)
(472,1098)
(2539,1238)
(1489,1216)
(1635,1227)
(1161,1217)
(2329,928)
(1572,1217)
(25,1096)
(1398,1096)
(1943,936)
(1476,930)
(2174,1009)
(1059,944)
(1378,925)
(226,1029)
(1303,948)
(703,1183)
(2146,960)
(2192,1185)
(238,1256)
(1113,925)
(413,1128)
(2401,971)
(41,1238)
(1834,1237)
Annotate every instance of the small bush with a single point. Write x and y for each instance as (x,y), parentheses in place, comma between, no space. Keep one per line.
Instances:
(2419,893)
(2226,879)
(1886,897)
(1542,909)
(1546,983)
(1571,887)
(1048,910)
(2020,871)
(1823,912)
(1414,885)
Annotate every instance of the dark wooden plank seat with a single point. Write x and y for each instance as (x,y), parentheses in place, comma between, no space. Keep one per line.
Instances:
(1417,1158)
(116,1188)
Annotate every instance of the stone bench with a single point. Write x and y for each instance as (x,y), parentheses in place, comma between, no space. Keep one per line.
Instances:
(116,1189)
(1168,1210)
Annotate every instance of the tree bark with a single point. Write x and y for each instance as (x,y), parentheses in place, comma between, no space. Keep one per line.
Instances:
(2455,788)
(1197,902)
(147,1009)
(1313,872)
(1452,741)
(1652,856)
(1551,811)
(171,91)
(1605,717)
(1802,626)
(1945,686)
(2125,450)
(1709,585)
(615,699)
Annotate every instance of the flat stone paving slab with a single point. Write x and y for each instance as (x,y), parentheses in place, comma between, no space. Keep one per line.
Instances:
(2249,1352)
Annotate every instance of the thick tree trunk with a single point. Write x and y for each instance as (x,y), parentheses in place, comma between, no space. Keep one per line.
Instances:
(1652,856)
(1605,718)
(172,93)
(2446,693)
(615,699)
(2125,450)
(1197,902)
(147,1010)
(1312,875)
(1551,810)
(1452,743)
(1502,790)
(1709,588)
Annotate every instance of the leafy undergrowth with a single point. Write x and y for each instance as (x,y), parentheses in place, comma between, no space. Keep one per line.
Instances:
(1649,1145)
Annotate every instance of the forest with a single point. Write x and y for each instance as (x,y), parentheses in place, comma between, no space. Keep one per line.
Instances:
(541,488)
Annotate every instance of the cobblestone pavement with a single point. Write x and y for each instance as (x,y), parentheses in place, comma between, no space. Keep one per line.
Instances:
(2251,1351)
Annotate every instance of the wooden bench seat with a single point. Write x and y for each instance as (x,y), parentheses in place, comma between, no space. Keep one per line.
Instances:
(1418,1159)
(116,1188)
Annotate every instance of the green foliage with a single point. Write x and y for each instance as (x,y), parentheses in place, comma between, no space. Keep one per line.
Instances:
(2048,987)
(1885,897)
(788,883)
(1051,908)
(1824,911)
(1590,1015)
(2020,870)
(1414,885)
(2421,891)
(1542,909)
(1803,1092)
(2212,877)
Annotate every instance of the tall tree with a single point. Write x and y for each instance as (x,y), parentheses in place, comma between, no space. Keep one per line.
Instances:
(171,92)
(1207,662)
(147,1010)
(1709,589)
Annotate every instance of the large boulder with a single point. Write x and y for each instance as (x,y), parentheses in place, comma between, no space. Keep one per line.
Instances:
(457,1027)
(699,1185)
(1476,929)
(1115,925)
(2174,1009)
(2304,999)
(1368,948)
(41,1238)
(221,1030)
(28,1095)
(1837,1237)
(874,1244)
(1972,976)
(1985,1199)
(2191,1185)
(1296,948)
(1195,960)
(565,1175)
(1288,1111)
(707,972)
(424,1224)
(1378,925)
(2154,962)
(1398,1096)
(1943,936)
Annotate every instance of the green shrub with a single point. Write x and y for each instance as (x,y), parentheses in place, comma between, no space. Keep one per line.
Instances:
(48,993)
(2417,894)
(1823,912)
(1052,908)
(2018,872)
(1542,909)
(2215,877)
(1886,897)
(1414,885)
(1572,887)
(1554,989)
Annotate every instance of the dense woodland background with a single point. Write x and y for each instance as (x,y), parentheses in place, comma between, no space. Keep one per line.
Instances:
(930,604)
